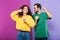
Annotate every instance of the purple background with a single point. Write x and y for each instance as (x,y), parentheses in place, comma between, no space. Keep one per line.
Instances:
(7,26)
(53,25)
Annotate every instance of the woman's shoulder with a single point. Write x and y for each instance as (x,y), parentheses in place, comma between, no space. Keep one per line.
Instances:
(28,15)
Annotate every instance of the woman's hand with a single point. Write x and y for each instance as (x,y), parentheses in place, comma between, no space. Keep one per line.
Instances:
(20,10)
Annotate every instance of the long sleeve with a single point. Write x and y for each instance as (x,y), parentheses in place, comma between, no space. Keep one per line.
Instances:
(14,16)
(30,21)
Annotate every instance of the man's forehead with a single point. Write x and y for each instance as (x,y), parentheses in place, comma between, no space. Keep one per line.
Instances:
(35,6)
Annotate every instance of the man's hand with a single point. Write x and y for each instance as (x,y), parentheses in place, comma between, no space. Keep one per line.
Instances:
(37,17)
(24,19)
(48,13)
(44,8)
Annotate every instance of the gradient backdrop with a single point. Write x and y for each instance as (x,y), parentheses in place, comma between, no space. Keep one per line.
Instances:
(53,25)
(7,26)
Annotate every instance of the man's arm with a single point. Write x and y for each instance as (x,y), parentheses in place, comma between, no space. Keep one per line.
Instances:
(48,13)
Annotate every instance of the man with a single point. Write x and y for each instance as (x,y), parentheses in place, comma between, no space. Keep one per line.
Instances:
(41,30)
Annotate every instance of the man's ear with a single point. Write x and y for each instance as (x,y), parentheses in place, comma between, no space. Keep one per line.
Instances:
(38,8)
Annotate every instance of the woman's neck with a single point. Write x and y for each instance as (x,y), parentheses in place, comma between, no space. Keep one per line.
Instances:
(24,14)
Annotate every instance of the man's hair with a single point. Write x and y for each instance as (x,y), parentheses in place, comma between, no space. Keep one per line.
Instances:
(38,5)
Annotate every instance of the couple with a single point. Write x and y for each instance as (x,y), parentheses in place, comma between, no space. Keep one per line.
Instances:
(25,21)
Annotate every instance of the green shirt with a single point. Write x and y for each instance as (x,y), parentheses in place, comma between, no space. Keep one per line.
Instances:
(41,29)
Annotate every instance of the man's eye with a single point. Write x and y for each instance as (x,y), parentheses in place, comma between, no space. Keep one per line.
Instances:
(34,8)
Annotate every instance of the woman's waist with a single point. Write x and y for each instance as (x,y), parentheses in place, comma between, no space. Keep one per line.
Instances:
(24,31)
(24,28)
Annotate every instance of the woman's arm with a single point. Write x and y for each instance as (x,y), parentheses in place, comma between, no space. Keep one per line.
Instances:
(29,20)
(14,15)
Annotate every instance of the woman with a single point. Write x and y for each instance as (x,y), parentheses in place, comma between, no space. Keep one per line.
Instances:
(24,22)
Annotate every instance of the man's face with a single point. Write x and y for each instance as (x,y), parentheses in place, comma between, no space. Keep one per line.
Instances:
(35,8)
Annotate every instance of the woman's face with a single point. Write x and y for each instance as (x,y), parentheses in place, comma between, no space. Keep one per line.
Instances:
(25,10)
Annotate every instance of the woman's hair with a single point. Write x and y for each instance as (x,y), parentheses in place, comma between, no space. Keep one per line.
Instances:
(20,14)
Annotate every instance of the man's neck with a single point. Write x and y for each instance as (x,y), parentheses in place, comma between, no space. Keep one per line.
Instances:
(39,12)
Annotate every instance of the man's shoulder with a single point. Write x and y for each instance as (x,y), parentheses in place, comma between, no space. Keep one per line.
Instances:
(34,14)
(43,12)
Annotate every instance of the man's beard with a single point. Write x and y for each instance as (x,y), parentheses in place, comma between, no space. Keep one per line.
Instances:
(36,12)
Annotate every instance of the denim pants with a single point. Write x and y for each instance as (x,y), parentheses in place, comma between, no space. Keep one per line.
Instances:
(45,38)
(23,35)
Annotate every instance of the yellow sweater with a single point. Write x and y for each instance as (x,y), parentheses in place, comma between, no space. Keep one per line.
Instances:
(20,24)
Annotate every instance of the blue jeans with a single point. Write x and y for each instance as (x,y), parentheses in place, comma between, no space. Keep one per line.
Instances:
(23,35)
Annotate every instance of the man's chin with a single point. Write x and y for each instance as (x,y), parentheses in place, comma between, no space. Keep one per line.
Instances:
(35,12)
